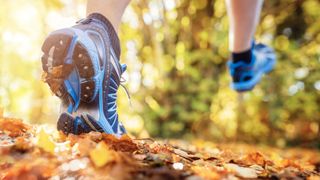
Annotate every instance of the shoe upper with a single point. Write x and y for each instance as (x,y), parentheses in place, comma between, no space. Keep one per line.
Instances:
(246,75)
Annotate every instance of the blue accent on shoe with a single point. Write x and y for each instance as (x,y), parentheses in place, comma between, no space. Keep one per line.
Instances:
(70,108)
(72,85)
(123,67)
(102,118)
(80,126)
(246,76)
(77,123)
(108,116)
(68,59)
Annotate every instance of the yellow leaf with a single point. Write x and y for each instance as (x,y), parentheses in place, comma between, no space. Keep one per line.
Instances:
(44,141)
(101,155)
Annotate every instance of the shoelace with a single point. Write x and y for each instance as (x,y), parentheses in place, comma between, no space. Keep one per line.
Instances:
(122,80)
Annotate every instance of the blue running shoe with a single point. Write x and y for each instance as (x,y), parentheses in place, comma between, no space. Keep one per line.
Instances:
(245,76)
(81,66)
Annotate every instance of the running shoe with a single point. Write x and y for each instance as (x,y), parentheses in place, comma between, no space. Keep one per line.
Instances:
(81,66)
(246,75)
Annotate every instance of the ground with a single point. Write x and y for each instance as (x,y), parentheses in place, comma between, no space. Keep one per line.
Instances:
(39,152)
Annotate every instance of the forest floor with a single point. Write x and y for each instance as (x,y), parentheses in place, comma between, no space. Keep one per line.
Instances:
(39,152)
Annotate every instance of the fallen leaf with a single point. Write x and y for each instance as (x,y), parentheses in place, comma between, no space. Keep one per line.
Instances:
(314,177)
(181,153)
(22,144)
(254,158)
(242,171)
(6,141)
(101,155)
(124,143)
(14,127)
(206,172)
(139,156)
(290,163)
(56,76)
(85,145)
(44,141)
(37,169)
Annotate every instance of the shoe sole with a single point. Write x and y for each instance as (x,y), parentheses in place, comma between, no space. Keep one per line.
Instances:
(61,47)
(66,124)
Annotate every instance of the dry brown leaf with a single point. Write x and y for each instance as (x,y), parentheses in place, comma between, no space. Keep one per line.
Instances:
(15,127)
(290,163)
(207,173)
(254,158)
(44,76)
(6,144)
(59,72)
(124,143)
(22,144)
(181,153)
(37,169)
(85,145)
(314,177)
(56,77)
(156,147)
(242,172)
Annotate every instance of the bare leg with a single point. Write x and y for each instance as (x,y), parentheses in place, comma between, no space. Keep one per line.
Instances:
(243,17)
(111,9)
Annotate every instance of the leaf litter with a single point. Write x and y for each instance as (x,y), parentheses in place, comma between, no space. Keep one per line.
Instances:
(38,152)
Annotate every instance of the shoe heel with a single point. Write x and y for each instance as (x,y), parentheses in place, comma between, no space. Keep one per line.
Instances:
(60,47)
(55,48)
(55,51)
